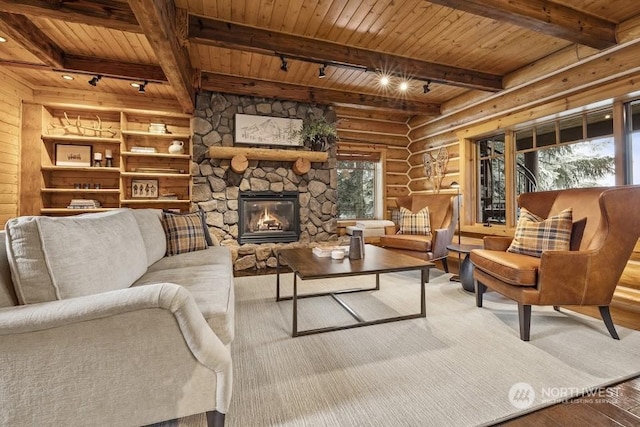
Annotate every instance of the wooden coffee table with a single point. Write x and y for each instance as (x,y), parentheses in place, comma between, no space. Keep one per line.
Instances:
(376,261)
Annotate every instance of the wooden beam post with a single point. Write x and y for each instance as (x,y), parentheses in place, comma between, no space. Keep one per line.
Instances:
(158,21)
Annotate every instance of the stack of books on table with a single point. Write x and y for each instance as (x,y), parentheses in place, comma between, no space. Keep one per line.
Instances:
(325,251)
(83,204)
(143,150)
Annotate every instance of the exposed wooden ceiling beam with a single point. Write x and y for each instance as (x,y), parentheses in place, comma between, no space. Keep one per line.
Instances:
(158,20)
(545,17)
(106,67)
(91,65)
(270,89)
(25,33)
(107,13)
(220,33)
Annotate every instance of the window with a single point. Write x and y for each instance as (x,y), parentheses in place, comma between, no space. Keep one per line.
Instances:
(491,179)
(632,113)
(574,151)
(357,188)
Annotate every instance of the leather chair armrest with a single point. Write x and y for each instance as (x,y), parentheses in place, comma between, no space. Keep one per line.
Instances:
(439,241)
(391,229)
(564,276)
(497,243)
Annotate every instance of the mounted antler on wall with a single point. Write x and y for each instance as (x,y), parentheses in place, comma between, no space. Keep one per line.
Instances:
(435,167)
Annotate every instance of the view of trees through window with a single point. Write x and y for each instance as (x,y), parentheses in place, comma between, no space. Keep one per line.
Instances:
(356,189)
(570,152)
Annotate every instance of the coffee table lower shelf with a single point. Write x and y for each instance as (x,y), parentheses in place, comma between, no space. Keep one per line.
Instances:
(424,278)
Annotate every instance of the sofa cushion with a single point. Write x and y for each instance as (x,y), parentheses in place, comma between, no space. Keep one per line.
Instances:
(409,242)
(374,223)
(184,233)
(150,224)
(415,223)
(534,235)
(208,276)
(92,257)
(7,292)
(512,268)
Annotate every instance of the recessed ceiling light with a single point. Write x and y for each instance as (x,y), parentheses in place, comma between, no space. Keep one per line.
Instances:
(2,39)
(384,80)
(404,86)
(67,77)
(135,84)
(608,116)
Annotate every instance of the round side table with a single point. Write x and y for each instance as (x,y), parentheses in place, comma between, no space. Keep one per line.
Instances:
(466,268)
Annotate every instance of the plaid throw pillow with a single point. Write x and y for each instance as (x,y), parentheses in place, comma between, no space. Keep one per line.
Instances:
(535,235)
(415,223)
(184,232)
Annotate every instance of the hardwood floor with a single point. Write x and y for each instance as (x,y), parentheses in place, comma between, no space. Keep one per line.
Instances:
(618,406)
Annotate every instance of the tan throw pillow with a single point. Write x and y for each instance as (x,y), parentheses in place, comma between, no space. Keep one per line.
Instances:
(184,232)
(415,223)
(535,235)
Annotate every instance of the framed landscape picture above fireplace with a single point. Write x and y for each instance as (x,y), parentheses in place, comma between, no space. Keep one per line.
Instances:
(267,130)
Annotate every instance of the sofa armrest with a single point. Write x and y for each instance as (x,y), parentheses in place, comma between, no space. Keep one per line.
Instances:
(132,356)
(497,243)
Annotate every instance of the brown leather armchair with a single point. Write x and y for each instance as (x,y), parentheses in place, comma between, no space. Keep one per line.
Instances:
(443,215)
(587,275)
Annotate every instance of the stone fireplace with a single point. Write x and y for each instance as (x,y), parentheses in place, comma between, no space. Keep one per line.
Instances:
(268,217)
(217,189)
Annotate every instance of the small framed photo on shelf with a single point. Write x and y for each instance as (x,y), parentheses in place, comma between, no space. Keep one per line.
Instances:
(73,155)
(144,188)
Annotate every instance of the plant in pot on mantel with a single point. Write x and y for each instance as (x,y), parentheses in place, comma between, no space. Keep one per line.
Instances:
(318,134)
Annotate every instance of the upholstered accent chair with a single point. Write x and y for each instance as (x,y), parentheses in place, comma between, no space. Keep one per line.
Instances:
(586,274)
(443,216)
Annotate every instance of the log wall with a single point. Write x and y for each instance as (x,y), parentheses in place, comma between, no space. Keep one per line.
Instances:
(12,92)
(379,131)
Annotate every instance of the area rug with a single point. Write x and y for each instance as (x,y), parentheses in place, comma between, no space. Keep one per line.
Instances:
(459,366)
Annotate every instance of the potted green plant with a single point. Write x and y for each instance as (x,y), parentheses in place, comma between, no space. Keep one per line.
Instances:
(318,134)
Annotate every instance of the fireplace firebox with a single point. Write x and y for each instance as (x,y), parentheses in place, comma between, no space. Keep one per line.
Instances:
(267,216)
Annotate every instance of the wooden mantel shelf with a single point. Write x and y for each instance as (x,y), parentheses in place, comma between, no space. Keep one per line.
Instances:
(267,154)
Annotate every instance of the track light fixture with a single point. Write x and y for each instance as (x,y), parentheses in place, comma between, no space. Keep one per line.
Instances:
(321,72)
(426,87)
(95,79)
(284,66)
(141,87)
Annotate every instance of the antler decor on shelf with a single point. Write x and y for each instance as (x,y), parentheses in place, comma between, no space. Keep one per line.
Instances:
(435,167)
(79,129)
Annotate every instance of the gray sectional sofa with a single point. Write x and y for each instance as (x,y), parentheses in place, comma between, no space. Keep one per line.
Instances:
(99,327)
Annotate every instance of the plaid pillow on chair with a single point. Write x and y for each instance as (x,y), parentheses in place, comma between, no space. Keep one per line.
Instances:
(534,234)
(415,223)
(185,233)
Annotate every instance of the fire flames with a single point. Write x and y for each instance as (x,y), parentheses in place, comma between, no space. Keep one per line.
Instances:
(268,222)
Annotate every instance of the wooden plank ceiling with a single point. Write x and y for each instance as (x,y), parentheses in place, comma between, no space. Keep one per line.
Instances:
(183,46)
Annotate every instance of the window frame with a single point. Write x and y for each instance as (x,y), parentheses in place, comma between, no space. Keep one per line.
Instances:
(380,199)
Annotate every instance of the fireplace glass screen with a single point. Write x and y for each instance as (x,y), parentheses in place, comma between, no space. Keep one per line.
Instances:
(268,217)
